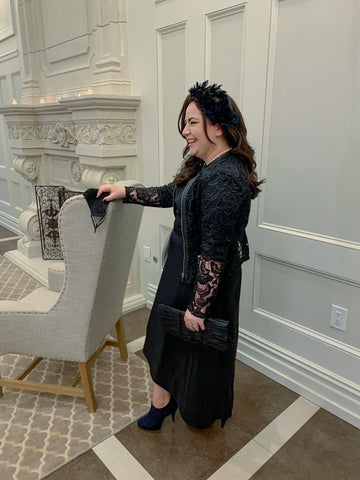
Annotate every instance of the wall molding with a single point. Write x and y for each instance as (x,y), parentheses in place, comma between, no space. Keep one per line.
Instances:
(6,26)
(226,12)
(300,329)
(5,57)
(304,268)
(133,303)
(160,32)
(171,28)
(150,297)
(334,393)
(216,15)
(318,237)
(264,160)
(9,222)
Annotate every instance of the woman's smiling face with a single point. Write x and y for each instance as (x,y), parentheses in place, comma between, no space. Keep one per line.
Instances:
(194,133)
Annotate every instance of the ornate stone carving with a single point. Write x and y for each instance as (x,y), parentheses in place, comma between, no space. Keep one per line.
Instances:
(23,131)
(93,177)
(28,167)
(29,223)
(111,176)
(75,172)
(106,134)
(62,135)
(65,133)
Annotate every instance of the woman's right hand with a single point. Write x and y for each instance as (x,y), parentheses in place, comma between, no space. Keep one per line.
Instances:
(115,193)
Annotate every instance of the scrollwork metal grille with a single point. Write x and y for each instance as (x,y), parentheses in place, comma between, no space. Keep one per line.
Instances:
(49,200)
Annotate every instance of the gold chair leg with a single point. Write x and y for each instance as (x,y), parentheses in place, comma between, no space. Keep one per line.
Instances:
(87,386)
(121,339)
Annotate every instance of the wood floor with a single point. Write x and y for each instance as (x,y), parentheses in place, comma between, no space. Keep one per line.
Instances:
(273,435)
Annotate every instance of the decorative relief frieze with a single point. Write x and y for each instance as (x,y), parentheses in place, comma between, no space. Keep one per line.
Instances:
(105,134)
(67,133)
(23,131)
(62,134)
(54,132)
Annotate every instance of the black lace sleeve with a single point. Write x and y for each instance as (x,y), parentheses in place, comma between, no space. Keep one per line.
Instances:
(151,196)
(207,285)
(222,200)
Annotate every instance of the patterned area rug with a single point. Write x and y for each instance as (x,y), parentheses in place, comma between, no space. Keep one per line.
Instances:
(14,283)
(39,431)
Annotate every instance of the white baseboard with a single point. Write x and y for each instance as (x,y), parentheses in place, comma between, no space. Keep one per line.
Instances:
(336,394)
(150,295)
(11,223)
(133,303)
(35,267)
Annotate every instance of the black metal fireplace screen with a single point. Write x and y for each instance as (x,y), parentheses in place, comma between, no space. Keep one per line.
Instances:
(49,200)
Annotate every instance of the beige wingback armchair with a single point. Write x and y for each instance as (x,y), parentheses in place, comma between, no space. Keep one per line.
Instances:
(72,324)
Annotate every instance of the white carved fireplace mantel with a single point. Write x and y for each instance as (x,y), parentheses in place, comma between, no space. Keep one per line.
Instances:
(78,142)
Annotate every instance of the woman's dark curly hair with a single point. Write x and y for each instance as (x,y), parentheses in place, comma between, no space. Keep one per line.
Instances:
(236,138)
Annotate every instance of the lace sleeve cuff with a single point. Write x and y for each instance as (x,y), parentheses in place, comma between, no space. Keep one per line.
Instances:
(206,288)
(143,196)
(150,196)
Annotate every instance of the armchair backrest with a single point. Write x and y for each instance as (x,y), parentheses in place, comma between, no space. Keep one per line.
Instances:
(97,267)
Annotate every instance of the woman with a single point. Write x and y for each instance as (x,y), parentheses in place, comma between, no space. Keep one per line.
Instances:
(211,197)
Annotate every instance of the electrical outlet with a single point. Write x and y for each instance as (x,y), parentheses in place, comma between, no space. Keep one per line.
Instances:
(147,254)
(338,317)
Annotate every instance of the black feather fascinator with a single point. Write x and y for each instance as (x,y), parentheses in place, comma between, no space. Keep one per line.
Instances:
(214,102)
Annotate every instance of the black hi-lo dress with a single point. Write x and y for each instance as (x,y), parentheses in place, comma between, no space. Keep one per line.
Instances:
(199,378)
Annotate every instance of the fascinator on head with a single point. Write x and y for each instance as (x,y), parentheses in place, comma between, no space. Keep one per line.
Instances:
(214,102)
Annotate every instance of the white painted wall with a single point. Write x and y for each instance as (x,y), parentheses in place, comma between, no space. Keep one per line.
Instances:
(15,192)
(294,68)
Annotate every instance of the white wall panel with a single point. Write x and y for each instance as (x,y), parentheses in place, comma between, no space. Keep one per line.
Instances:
(4,195)
(225,33)
(4,91)
(56,32)
(16,86)
(60,169)
(3,144)
(27,193)
(315,119)
(6,25)
(17,195)
(293,67)
(304,296)
(171,75)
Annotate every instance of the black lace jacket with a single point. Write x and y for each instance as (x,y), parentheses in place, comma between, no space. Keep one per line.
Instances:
(215,212)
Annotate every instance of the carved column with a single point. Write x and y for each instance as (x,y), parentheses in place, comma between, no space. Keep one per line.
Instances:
(30,44)
(110,73)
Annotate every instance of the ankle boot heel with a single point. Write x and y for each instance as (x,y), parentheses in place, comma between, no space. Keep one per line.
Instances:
(154,419)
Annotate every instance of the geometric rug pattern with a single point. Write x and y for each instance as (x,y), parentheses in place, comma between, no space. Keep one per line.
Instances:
(14,283)
(41,431)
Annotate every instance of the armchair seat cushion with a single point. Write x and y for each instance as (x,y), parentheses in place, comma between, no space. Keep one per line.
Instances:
(39,300)
(56,276)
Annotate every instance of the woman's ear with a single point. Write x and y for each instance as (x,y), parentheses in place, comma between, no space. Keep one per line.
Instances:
(219,131)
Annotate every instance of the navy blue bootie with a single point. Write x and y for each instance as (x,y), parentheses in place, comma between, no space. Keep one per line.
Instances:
(154,419)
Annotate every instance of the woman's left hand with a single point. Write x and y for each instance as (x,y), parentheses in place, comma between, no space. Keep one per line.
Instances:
(192,322)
